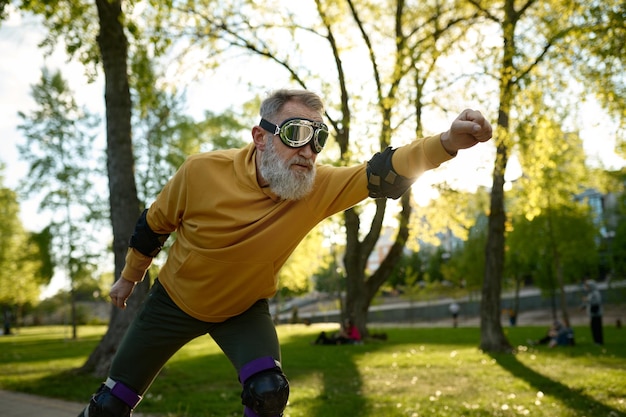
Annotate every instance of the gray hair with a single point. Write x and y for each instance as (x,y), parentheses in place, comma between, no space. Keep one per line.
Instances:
(273,104)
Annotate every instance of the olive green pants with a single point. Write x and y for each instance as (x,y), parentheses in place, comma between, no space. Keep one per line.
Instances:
(161,329)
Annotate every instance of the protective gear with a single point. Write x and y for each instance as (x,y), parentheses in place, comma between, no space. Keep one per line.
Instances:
(113,399)
(265,388)
(145,240)
(296,132)
(382,180)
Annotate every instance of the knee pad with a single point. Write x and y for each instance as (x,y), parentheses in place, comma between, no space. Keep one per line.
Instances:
(265,388)
(113,399)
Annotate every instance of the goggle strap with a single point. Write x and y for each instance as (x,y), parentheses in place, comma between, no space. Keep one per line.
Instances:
(270,127)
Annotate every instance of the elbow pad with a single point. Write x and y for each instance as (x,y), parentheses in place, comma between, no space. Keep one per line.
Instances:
(145,240)
(382,180)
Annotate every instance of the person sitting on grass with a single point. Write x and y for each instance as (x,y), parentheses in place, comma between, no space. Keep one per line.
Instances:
(558,335)
(348,334)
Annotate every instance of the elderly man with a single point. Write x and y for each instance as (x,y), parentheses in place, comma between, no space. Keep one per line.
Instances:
(238,214)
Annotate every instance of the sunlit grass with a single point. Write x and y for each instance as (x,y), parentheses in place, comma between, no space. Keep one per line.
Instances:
(417,372)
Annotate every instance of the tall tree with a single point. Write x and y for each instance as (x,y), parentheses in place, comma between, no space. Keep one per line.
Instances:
(557,40)
(25,261)
(107,44)
(124,203)
(157,112)
(59,143)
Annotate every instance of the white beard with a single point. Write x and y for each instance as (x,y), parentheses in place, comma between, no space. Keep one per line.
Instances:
(286,183)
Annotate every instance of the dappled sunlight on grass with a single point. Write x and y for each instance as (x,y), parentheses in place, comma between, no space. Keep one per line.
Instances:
(302,401)
(593,374)
(437,378)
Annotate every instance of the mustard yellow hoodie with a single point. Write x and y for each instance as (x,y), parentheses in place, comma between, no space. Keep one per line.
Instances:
(233,236)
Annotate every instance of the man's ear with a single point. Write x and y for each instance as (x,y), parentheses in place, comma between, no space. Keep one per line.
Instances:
(259,137)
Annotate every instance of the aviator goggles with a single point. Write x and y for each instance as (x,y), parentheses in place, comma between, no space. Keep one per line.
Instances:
(297,132)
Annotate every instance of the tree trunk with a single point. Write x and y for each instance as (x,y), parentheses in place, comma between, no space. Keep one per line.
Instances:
(492,335)
(355,273)
(123,199)
(361,289)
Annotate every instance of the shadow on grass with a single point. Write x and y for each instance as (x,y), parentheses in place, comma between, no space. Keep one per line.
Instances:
(572,398)
(335,372)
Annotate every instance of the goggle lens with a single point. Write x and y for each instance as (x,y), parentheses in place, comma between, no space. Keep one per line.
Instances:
(322,137)
(296,134)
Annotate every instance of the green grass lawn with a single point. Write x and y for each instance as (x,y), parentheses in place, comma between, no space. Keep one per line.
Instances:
(416,372)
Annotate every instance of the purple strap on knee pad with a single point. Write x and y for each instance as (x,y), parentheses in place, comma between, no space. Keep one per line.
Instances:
(248,412)
(121,391)
(256,366)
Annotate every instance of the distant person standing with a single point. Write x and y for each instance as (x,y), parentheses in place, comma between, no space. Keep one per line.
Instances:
(454,310)
(7,322)
(512,317)
(593,305)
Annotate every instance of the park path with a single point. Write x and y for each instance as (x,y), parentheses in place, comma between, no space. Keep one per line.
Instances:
(17,404)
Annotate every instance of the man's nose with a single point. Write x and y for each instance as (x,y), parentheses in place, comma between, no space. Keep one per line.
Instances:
(306,151)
